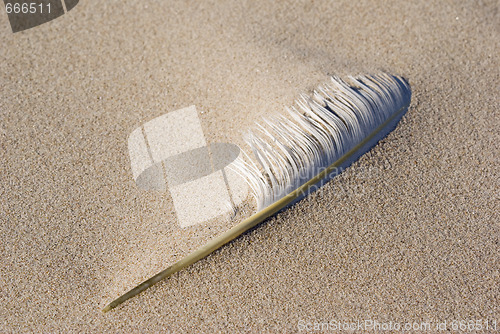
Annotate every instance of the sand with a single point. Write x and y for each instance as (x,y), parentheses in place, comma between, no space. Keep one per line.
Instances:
(408,234)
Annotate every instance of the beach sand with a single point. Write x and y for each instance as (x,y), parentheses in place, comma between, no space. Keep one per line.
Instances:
(408,234)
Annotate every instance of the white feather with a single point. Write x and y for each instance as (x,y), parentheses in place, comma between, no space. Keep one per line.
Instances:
(321,129)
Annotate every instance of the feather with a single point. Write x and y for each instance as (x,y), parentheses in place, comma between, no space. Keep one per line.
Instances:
(292,155)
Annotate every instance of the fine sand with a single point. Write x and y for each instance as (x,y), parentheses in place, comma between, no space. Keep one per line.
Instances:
(408,234)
